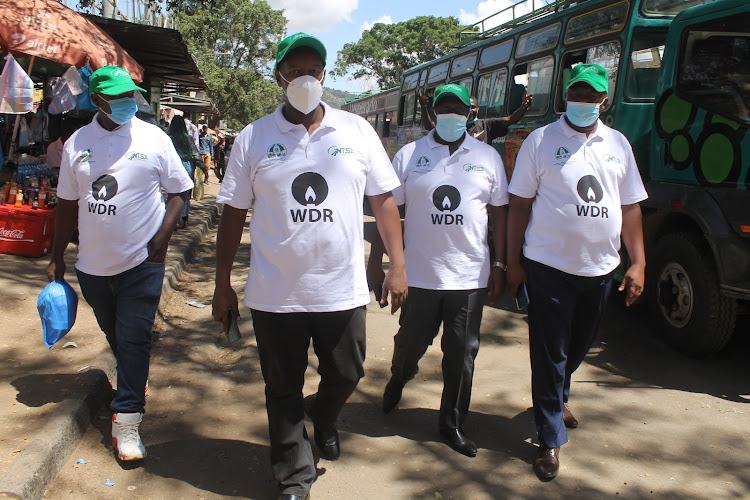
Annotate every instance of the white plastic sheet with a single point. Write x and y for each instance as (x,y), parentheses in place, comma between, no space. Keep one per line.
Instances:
(16,88)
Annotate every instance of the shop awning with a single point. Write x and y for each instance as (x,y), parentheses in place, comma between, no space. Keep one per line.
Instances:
(161,51)
(187,104)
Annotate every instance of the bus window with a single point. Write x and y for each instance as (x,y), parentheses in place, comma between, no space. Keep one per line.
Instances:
(606,55)
(537,41)
(438,73)
(609,19)
(406,116)
(714,67)
(387,124)
(466,83)
(496,54)
(536,78)
(668,7)
(463,65)
(410,81)
(646,52)
(483,94)
(375,122)
(499,84)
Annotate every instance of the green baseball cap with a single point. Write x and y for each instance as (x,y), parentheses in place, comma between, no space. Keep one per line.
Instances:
(593,74)
(299,40)
(452,89)
(111,80)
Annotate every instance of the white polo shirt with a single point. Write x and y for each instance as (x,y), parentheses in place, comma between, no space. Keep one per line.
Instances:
(116,178)
(446,219)
(579,185)
(306,192)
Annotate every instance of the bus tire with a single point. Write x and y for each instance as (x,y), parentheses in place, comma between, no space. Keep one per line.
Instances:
(684,295)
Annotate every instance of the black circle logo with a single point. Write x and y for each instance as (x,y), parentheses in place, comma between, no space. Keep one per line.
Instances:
(590,190)
(446,198)
(104,188)
(310,189)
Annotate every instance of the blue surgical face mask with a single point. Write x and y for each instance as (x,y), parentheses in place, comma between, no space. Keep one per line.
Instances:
(123,110)
(450,126)
(583,114)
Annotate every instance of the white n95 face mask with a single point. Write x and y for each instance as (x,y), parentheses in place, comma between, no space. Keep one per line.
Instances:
(304,93)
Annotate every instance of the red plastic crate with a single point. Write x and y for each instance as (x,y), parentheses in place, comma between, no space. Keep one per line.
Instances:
(25,231)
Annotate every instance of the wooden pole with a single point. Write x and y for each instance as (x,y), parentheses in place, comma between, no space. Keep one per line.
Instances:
(20,117)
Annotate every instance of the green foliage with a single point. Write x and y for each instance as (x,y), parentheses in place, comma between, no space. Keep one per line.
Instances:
(386,50)
(234,44)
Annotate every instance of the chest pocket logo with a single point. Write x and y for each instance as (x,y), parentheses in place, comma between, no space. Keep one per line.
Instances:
(277,151)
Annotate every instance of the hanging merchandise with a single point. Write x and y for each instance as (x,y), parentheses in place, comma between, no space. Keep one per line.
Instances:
(24,141)
(63,99)
(73,79)
(38,126)
(16,88)
(84,99)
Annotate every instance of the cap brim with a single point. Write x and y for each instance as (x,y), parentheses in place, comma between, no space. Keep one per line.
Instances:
(598,88)
(120,89)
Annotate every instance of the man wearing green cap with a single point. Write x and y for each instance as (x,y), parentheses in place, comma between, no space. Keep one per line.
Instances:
(305,170)
(575,191)
(449,183)
(111,176)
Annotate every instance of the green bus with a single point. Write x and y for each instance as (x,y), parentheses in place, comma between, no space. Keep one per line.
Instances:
(679,90)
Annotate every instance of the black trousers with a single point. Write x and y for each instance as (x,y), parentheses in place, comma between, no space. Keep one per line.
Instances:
(460,312)
(283,340)
(564,316)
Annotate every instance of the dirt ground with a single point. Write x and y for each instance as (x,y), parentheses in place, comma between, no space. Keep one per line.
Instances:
(652,422)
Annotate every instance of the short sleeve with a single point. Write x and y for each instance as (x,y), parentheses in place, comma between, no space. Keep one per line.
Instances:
(380,175)
(631,187)
(399,166)
(67,183)
(525,182)
(173,177)
(237,186)
(499,188)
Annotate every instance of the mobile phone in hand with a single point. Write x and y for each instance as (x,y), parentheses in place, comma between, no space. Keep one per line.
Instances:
(522,297)
(379,295)
(233,330)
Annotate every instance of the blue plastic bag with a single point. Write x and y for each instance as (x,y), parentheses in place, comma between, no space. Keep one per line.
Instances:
(83,100)
(57,306)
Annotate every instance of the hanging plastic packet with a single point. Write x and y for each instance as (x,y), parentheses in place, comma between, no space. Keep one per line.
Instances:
(74,81)
(83,99)
(57,306)
(16,88)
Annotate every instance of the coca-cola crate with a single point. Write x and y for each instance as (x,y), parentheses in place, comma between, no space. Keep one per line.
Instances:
(26,231)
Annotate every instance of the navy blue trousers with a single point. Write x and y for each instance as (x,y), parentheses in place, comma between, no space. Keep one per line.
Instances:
(564,316)
(125,306)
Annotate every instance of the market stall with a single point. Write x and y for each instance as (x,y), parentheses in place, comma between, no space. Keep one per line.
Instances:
(49,51)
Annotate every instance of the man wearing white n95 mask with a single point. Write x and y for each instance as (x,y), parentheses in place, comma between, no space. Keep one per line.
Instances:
(305,170)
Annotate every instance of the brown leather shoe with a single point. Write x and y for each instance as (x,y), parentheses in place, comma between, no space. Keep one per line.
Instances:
(568,419)
(547,463)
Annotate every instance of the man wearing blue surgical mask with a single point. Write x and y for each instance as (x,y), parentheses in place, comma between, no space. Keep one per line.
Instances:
(449,183)
(574,193)
(112,174)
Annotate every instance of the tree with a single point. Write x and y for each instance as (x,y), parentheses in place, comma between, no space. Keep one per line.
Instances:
(235,45)
(385,51)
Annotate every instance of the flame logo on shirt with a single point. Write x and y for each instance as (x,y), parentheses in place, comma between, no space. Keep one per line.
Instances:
(310,188)
(589,189)
(104,188)
(446,198)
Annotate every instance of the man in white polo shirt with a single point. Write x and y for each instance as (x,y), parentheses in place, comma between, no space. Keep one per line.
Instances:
(304,170)
(574,193)
(111,177)
(449,182)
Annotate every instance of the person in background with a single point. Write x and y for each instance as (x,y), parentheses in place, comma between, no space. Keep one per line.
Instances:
(574,193)
(447,255)
(206,149)
(192,130)
(189,155)
(112,174)
(220,164)
(484,129)
(304,171)
(54,150)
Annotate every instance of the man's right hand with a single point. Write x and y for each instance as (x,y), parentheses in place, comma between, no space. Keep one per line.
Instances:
(515,276)
(395,284)
(225,300)
(56,270)
(423,99)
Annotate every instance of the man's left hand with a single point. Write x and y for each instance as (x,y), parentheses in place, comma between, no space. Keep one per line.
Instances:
(633,282)
(395,284)
(496,284)
(157,248)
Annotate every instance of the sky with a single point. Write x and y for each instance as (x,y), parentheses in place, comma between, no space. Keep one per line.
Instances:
(336,22)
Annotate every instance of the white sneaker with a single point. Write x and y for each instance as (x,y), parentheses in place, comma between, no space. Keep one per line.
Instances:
(125,436)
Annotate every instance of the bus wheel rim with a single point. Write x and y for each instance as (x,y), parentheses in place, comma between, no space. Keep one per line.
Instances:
(675,295)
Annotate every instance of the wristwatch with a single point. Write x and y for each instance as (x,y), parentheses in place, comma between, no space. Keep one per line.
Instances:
(500,265)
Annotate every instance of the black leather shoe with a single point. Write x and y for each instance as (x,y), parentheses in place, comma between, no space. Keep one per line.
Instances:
(547,463)
(459,442)
(568,419)
(290,496)
(327,440)
(392,395)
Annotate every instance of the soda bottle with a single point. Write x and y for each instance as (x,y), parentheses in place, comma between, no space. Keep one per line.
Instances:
(42,198)
(4,193)
(34,201)
(11,199)
(19,198)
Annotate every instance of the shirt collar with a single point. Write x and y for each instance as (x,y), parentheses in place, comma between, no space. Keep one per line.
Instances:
(286,126)
(570,132)
(122,130)
(434,144)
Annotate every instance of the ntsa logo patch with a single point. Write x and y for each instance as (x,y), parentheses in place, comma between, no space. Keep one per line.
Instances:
(340,151)
(612,159)
(473,168)
(137,156)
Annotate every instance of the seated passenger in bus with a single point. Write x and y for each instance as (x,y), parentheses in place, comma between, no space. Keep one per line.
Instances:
(485,129)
